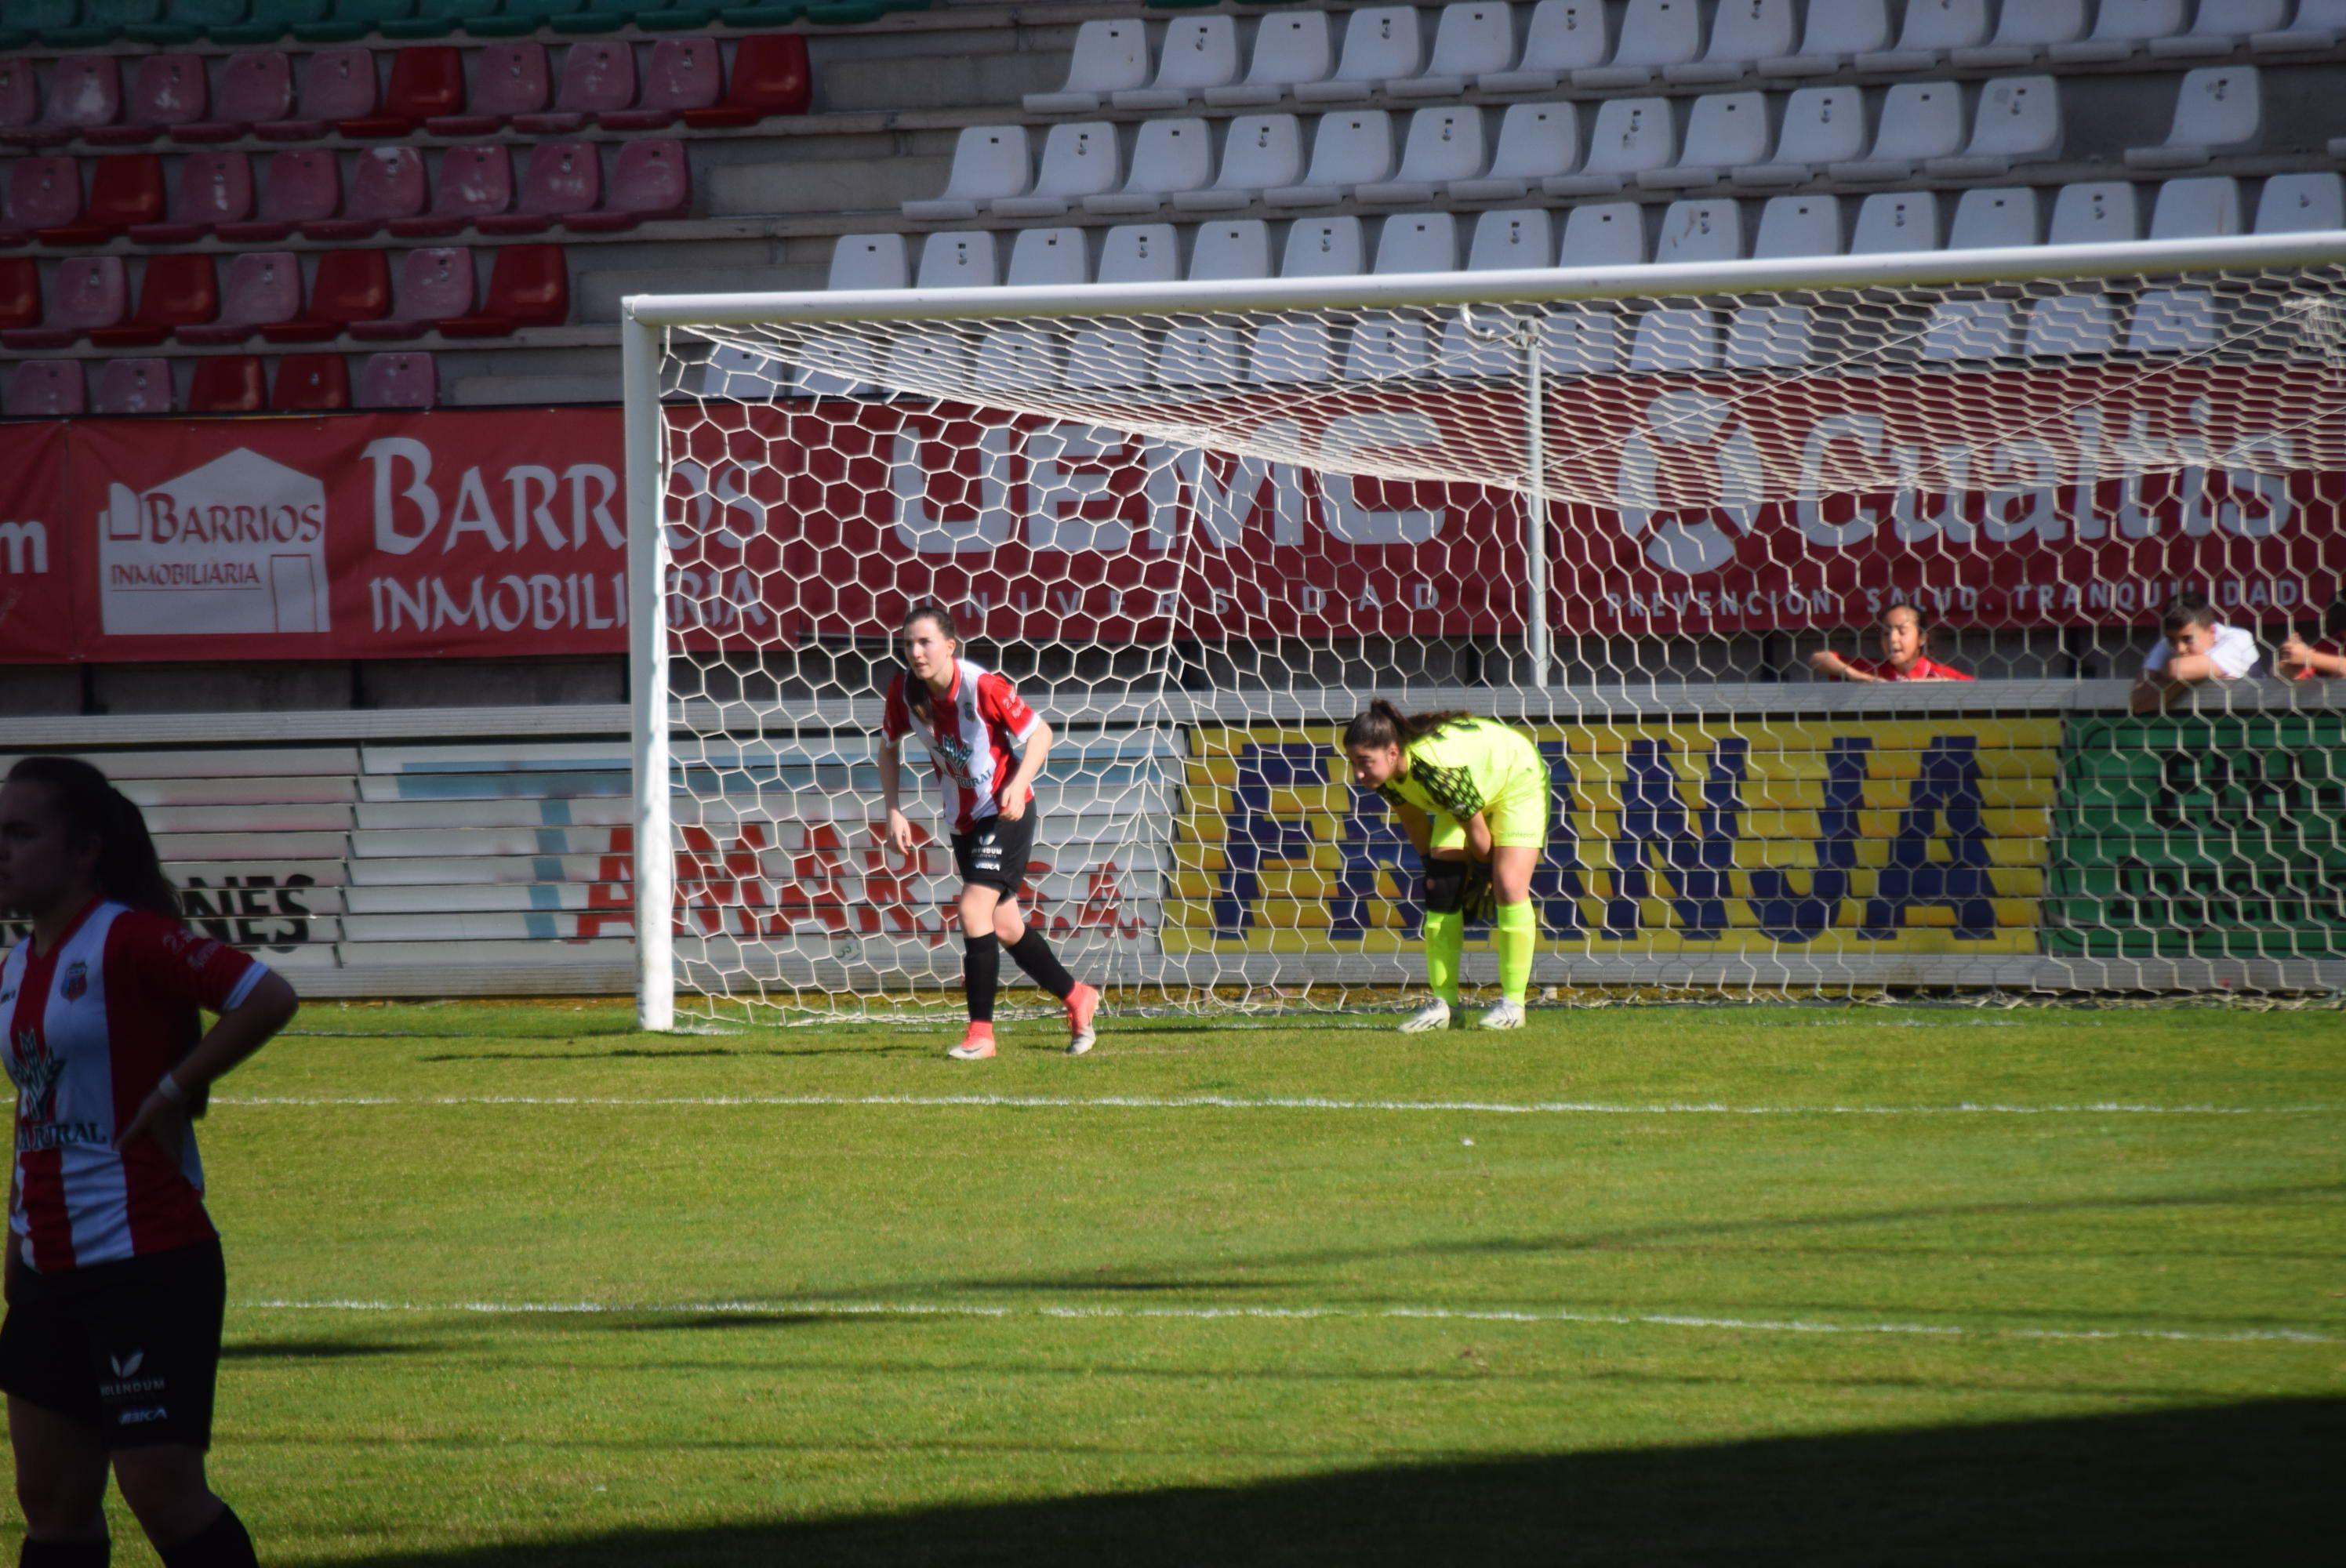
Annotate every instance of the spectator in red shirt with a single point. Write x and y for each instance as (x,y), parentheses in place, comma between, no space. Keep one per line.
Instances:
(1905,634)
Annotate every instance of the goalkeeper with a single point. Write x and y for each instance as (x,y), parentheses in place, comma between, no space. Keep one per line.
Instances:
(1473,795)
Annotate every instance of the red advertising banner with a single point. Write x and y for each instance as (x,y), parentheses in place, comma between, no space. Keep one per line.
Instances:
(36,556)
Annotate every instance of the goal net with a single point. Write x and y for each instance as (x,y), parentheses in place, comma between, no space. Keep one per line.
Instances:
(1200,524)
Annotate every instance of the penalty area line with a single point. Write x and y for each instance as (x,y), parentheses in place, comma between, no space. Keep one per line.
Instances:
(783,1309)
(1243,1103)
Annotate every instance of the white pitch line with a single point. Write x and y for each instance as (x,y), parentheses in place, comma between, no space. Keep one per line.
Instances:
(1262,1102)
(1210,1314)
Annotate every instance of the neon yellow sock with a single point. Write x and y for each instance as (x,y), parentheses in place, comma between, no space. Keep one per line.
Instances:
(1445,938)
(1513,935)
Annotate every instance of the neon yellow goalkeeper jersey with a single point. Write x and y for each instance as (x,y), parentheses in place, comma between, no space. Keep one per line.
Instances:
(1466,766)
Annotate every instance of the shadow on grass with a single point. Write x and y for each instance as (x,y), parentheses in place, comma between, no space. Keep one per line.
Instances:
(314,1349)
(2238,1484)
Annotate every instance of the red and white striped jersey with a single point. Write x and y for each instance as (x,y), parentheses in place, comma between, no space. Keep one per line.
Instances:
(976,735)
(92,1026)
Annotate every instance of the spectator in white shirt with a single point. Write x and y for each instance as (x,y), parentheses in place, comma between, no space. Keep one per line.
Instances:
(2193,647)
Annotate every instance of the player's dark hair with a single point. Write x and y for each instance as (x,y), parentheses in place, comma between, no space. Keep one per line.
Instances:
(1925,623)
(128,871)
(2188,608)
(1385,725)
(916,690)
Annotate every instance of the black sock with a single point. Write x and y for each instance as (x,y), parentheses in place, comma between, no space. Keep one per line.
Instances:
(64,1553)
(222,1543)
(1035,957)
(981,974)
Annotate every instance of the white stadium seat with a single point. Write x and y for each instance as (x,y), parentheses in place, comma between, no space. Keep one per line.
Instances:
(2023,33)
(1027,354)
(1653,33)
(1724,130)
(1822,126)
(1919,120)
(2297,203)
(1418,242)
(2317,24)
(1742,33)
(1348,148)
(2218,110)
(1995,220)
(1798,226)
(924,358)
(1304,349)
(1563,36)
(1441,145)
(2222,28)
(1838,32)
(2183,320)
(1706,230)
(1043,258)
(1630,135)
(1603,234)
(1198,53)
(2095,212)
(2122,28)
(1890,221)
(2204,208)
(1206,353)
(1934,30)
(841,365)
(1381,43)
(1078,160)
(1473,38)
(1260,152)
(1688,339)
(1290,48)
(1390,343)
(2016,121)
(1536,141)
(1109,55)
(1505,242)
(959,261)
(989,161)
(1168,155)
(1775,336)
(1982,329)
(1117,356)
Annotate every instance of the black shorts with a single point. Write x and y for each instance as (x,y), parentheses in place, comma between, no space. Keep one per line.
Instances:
(995,853)
(131,1348)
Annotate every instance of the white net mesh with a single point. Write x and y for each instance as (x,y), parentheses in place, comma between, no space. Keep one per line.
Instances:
(1199,539)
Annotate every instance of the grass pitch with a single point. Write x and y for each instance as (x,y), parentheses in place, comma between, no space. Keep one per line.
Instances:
(512,1284)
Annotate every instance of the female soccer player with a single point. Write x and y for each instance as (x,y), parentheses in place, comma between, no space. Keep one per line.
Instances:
(1473,795)
(1905,641)
(115,1284)
(988,748)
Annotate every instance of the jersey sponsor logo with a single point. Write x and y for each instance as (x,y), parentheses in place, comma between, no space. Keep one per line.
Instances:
(76,983)
(139,1417)
(35,1069)
(125,1365)
(954,752)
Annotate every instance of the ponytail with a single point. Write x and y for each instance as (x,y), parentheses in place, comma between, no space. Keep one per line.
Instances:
(916,691)
(1385,725)
(128,871)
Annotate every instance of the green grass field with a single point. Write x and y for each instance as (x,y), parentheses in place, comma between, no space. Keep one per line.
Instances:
(515,1285)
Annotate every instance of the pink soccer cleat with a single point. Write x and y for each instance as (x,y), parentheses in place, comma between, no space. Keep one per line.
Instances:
(977,1045)
(1083,1006)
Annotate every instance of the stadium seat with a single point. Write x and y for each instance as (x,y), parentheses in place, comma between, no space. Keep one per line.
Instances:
(1891,221)
(685,73)
(1382,43)
(130,387)
(1725,131)
(1207,353)
(1674,338)
(186,21)
(1995,221)
(23,19)
(475,182)
(310,383)
(1078,160)
(1537,142)
(2121,28)
(1603,234)
(20,293)
(1631,135)
(959,261)
(1389,345)
(515,18)
(597,79)
(175,291)
(389,185)
(351,20)
(85,94)
(1258,152)
(435,286)
(1794,226)
(989,162)
(1110,55)
(1113,356)
(256,89)
(2100,212)
(1290,49)
(650,179)
(2296,203)
(124,190)
(1348,148)
(1778,337)
(769,77)
(2218,110)
(2016,121)
(1418,242)
(215,188)
(427,80)
(266,21)
(1198,53)
(2095,212)
(1821,126)
(349,286)
(1167,156)
(841,364)
(1510,240)
(2183,320)
(2221,28)
(44,196)
(529,286)
(1838,31)
(1919,120)
(46,389)
(1700,231)
(304,186)
(338,86)
(869,262)
(599,16)
(1932,31)
(1303,348)
(1473,38)
(1324,247)
(1041,258)
(20,95)
(509,79)
(1654,34)
(228,383)
(166,90)
(2315,25)
(439,18)
(1741,36)
(1027,353)
(89,292)
(263,287)
(1441,146)
(398,381)
(2022,33)
(1562,37)
(563,179)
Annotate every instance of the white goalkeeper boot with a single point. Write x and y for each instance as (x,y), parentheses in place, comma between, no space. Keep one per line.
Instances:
(1434,1014)
(1505,1016)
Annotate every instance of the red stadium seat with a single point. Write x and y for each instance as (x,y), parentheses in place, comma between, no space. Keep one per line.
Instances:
(168,90)
(339,86)
(133,386)
(351,286)
(85,94)
(310,383)
(475,182)
(564,179)
(398,381)
(263,287)
(126,189)
(434,286)
(509,79)
(650,181)
(20,293)
(90,291)
(304,187)
(20,95)
(46,389)
(44,193)
(227,383)
(529,286)
(685,73)
(769,77)
(215,188)
(178,290)
(389,184)
(256,89)
(596,79)
(427,79)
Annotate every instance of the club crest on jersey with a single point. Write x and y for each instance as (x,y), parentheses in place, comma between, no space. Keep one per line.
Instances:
(35,1069)
(77,982)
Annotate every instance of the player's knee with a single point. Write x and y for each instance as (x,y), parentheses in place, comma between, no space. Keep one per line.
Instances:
(165,1488)
(55,1503)
(977,911)
(1008,924)
(1445,886)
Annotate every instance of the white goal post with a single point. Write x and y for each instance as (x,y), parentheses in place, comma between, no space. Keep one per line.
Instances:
(1202,522)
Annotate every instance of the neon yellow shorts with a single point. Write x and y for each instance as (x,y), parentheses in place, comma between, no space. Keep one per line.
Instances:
(1517,816)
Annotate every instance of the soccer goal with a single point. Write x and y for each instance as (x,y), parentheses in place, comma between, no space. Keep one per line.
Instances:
(1200,523)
